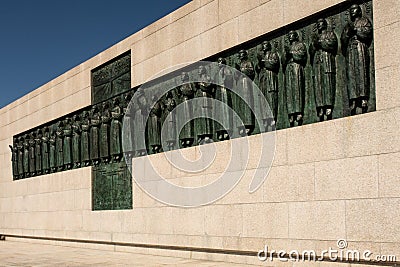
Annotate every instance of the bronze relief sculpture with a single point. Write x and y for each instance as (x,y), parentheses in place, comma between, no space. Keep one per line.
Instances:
(141,114)
(32,154)
(204,92)
(38,152)
(14,157)
(116,131)
(76,140)
(186,91)
(26,156)
(67,149)
(294,60)
(171,136)
(105,133)
(323,50)
(223,93)
(45,150)
(128,112)
(95,122)
(53,153)
(20,157)
(356,39)
(269,64)
(85,139)
(332,84)
(245,86)
(154,125)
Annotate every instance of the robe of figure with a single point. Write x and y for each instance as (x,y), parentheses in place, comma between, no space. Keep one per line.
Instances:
(38,154)
(105,134)
(85,148)
(116,131)
(204,109)
(94,137)
(67,145)
(128,127)
(294,78)
(186,116)
(53,153)
(154,126)
(45,152)
(324,68)
(26,158)
(171,120)
(32,162)
(355,42)
(270,64)
(140,130)
(20,159)
(59,148)
(223,113)
(14,159)
(76,142)
(245,86)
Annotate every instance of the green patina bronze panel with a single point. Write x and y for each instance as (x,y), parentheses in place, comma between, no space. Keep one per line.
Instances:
(111,187)
(111,79)
(112,182)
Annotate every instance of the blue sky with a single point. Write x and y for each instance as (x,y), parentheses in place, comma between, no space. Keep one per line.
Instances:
(41,39)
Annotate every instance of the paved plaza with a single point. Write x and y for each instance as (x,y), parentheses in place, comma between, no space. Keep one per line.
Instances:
(29,254)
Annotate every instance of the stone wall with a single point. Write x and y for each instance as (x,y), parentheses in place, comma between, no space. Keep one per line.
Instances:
(331,180)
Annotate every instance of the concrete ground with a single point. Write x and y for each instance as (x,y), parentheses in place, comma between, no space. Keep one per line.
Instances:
(30,254)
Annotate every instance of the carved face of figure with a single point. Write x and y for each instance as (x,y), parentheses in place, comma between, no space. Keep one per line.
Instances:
(322,25)
(128,97)
(116,102)
(355,12)
(142,101)
(26,140)
(293,36)
(202,70)
(221,61)
(184,76)
(242,54)
(266,46)
(154,98)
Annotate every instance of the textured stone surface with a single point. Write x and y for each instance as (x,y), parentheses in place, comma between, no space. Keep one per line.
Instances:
(347,178)
(386,13)
(251,23)
(387,52)
(75,254)
(389,177)
(317,220)
(292,12)
(377,218)
(387,90)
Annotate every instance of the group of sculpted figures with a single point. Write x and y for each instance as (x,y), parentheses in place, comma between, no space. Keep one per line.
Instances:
(94,136)
(355,41)
(87,138)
